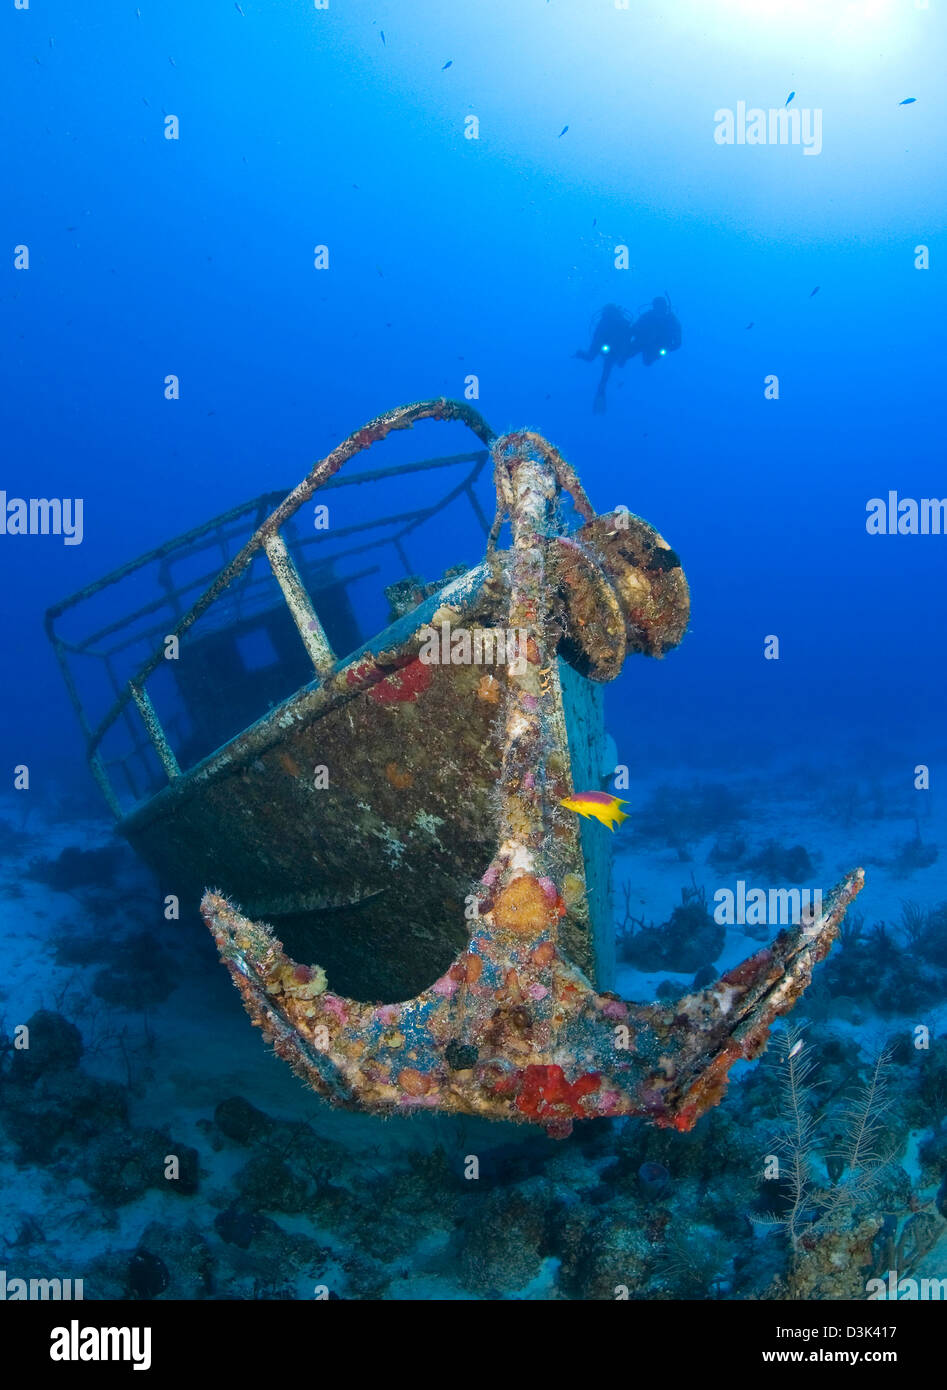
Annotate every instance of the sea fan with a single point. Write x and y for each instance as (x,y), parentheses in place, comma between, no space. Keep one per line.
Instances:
(797,1108)
(861,1151)
(812,1208)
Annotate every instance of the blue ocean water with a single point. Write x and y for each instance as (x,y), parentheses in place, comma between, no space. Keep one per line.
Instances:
(483,180)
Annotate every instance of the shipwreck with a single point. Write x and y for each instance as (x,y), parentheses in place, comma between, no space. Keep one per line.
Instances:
(409,913)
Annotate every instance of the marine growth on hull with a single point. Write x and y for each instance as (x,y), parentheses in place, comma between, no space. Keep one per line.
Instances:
(410,847)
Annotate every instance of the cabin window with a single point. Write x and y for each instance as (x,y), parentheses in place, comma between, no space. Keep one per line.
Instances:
(256,650)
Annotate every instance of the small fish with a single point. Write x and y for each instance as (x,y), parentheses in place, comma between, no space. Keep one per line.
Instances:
(238,9)
(908,101)
(794,1051)
(749,325)
(171,61)
(381,34)
(816,290)
(602,805)
(448,64)
(594,221)
(790,97)
(563,131)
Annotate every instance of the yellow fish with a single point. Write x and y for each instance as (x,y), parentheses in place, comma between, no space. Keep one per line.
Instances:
(602,805)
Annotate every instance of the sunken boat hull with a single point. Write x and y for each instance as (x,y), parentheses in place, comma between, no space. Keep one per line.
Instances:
(358,812)
(370,873)
(396,824)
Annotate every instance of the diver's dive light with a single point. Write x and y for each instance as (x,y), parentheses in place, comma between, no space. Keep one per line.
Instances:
(662,352)
(605,347)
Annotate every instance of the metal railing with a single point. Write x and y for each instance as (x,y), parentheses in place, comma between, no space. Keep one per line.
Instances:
(148,737)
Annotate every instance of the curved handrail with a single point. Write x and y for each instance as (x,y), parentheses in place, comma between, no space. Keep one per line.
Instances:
(404,417)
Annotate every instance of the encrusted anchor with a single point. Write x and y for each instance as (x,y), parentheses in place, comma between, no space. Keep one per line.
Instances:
(514,1029)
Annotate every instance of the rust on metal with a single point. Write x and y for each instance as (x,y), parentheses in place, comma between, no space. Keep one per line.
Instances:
(441,930)
(299,604)
(512,1030)
(156,732)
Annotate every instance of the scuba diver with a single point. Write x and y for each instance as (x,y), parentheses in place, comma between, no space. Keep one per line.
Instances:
(616,339)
